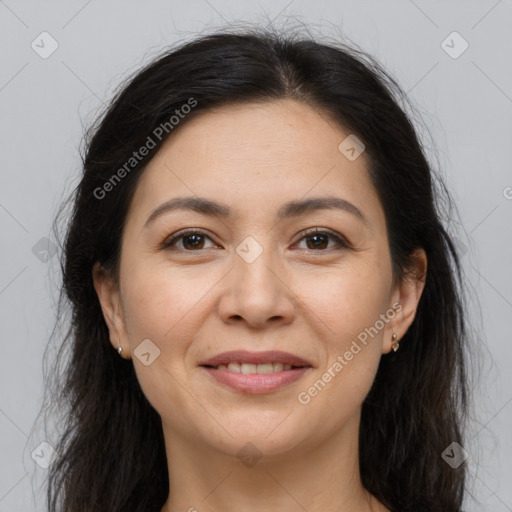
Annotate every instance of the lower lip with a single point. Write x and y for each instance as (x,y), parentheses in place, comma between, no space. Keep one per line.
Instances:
(256,383)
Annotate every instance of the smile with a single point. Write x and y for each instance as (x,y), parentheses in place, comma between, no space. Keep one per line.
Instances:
(255,372)
(255,379)
(248,368)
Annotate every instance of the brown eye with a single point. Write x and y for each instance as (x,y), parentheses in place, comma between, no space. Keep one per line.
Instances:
(317,240)
(192,240)
(320,240)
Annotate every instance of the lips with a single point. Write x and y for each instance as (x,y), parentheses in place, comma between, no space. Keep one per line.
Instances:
(255,372)
(256,358)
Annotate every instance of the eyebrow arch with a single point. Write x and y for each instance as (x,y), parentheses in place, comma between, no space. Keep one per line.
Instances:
(290,209)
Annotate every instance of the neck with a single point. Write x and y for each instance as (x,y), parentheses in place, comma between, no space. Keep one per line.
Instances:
(321,477)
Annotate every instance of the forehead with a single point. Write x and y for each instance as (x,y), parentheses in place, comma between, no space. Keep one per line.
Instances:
(256,157)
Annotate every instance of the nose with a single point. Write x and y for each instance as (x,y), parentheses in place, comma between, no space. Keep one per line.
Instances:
(257,291)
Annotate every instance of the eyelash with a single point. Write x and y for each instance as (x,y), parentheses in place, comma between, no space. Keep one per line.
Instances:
(341,241)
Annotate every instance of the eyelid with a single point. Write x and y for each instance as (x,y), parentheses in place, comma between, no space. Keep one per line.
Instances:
(339,239)
(179,234)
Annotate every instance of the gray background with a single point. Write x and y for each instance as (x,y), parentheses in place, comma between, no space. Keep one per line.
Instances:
(466,103)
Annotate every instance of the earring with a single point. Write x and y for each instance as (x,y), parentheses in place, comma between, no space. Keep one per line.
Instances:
(119,349)
(395,342)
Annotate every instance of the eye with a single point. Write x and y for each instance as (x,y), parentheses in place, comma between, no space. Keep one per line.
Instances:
(320,238)
(193,238)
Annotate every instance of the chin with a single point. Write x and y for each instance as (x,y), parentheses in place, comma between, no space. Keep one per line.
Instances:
(263,438)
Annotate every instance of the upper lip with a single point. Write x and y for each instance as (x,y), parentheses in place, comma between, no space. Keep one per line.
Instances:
(244,356)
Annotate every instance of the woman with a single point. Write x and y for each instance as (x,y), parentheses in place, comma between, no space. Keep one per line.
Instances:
(266,308)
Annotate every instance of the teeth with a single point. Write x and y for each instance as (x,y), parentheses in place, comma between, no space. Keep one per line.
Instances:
(248,368)
(265,368)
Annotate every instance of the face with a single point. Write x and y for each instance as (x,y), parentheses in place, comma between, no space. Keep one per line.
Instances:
(259,279)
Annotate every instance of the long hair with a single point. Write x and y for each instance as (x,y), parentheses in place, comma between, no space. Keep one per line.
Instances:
(111,451)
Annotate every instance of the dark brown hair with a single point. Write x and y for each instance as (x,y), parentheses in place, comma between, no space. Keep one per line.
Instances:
(112,455)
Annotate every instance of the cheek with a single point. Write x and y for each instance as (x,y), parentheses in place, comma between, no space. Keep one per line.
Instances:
(159,307)
(348,305)
(157,300)
(346,300)
(168,306)
(349,308)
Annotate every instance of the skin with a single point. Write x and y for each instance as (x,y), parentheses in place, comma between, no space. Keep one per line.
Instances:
(310,300)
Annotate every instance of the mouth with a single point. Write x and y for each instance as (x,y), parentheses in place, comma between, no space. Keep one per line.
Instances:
(249,368)
(256,372)
(243,361)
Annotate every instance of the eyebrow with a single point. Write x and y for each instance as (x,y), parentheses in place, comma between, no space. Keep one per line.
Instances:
(290,209)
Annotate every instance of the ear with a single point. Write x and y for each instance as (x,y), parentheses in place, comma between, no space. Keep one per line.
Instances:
(109,297)
(406,297)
